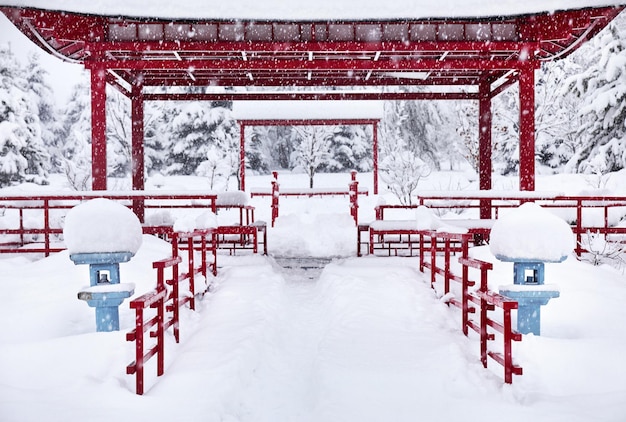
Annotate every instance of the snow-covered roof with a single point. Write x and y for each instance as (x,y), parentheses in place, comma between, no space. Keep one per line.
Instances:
(310,10)
(307,110)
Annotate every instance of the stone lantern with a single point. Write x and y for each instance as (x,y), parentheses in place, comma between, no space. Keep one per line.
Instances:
(102,234)
(530,237)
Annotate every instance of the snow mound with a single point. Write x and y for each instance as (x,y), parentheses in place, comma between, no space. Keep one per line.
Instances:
(190,222)
(531,233)
(233,198)
(102,225)
(427,220)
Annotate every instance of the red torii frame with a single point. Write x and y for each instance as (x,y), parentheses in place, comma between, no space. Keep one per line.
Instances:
(243,123)
(488,54)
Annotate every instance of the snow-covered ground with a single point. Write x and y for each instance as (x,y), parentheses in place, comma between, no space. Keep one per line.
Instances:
(363,339)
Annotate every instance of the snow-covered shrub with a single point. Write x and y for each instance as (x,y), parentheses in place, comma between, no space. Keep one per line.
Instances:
(215,168)
(402,172)
(601,250)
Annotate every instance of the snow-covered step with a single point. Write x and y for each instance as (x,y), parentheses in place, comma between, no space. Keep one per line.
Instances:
(306,268)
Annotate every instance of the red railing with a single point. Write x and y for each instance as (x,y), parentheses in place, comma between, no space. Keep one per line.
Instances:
(577,210)
(480,299)
(353,193)
(33,223)
(167,299)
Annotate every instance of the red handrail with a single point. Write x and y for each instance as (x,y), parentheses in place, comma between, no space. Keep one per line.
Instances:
(44,205)
(467,200)
(483,299)
(167,301)
(353,193)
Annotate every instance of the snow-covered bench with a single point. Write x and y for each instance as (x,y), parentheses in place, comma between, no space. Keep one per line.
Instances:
(244,233)
(236,228)
(405,236)
(394,236)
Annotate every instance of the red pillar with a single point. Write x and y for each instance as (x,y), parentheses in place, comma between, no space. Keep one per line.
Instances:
(242,156)
(484,144)
(527,127)
(375,155)
(98,129)
(137,146)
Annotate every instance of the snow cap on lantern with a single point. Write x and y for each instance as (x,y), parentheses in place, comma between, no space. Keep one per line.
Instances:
(530,233)
(102,225)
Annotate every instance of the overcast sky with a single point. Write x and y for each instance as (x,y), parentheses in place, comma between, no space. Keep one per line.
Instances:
(62,75)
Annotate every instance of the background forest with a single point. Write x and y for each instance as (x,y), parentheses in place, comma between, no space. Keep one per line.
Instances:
(580,127)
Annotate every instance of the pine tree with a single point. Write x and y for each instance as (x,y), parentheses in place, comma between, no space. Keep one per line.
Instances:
(157,119)
(351,149)
(75,153)
(42,95)
(22,154)
(194,130)
(258,149)
(602,88)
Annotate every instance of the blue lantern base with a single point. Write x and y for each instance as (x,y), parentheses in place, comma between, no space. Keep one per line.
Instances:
(107,299)
(529,300)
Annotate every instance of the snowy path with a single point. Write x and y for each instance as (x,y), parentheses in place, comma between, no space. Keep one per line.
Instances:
(366,341)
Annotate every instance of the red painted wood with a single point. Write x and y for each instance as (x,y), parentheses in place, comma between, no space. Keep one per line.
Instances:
(242,155)
(527,128)
(375,155)
(484,144)
(137,147)
(98,129)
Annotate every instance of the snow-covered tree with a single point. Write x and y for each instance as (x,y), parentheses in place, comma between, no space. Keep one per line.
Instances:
(215,168)
(427,128)
(313,149)
(22,153)
(42,95)
(194,131)
(400,168)
(258,148)
(556,113)
(118,134)
(602,88)
(157,124)
(505,131)
(467,130)
(75,152)
(402,172)
(351,149)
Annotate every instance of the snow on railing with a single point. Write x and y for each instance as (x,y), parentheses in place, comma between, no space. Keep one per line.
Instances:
(33,223)
(471,301)
(595,214)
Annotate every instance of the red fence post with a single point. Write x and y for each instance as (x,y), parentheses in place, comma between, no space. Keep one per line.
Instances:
(275,195)
(139,332)
(508,352)
(175,289)
(192,273)
(579,224)
(353,189)
(433,257)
